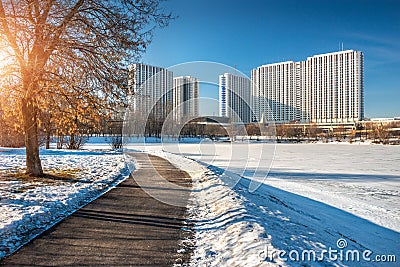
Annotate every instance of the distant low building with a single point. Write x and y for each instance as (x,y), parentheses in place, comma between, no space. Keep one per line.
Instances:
(383,119)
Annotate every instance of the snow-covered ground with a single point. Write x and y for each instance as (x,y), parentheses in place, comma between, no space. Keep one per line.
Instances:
(316,197)
(253,204)
(30,206)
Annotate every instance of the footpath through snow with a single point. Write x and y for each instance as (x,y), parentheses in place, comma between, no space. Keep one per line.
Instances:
(124,227)
(30,206)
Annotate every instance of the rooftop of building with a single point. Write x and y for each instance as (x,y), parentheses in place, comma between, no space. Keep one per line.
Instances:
(318,55)
(277,63)
(333,53)
(185,77)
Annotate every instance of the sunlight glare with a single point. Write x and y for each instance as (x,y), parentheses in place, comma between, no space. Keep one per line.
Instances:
(5,59)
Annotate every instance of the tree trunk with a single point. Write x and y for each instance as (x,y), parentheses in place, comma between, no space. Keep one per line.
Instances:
(47,140)
(72,142)
(33,163)
(60,141)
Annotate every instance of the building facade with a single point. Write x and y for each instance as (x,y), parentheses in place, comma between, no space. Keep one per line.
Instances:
(152,90)
(185,98)
(275,92)
(326,88)
(235,98)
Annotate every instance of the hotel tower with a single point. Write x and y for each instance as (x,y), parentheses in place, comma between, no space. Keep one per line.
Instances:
(326,88)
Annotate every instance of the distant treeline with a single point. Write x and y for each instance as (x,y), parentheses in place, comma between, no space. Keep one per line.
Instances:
(377,132)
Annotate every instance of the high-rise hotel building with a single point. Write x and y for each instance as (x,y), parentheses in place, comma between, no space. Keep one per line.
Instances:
(275,92)
(152,90)
(326,88)
(185,98)
(235,98)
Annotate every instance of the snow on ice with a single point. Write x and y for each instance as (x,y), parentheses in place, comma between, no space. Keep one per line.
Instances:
(315,197)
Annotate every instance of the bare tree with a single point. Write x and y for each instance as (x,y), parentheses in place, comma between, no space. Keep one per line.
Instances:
(370,131)
(279,132)
(50,40)
(253,129)
(312,131)
(292,131)
(383,132)
(340,133)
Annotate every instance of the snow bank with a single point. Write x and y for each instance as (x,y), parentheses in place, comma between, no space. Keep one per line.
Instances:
(226,232)
(28,207)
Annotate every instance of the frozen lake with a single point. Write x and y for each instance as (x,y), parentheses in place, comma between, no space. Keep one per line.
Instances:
(306,197)
(361,179)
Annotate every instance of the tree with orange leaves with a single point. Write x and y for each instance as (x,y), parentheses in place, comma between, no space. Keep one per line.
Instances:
(50,41)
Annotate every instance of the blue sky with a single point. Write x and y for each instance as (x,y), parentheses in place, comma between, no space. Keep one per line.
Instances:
(252,33)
